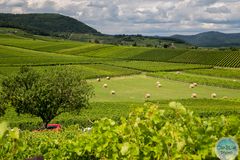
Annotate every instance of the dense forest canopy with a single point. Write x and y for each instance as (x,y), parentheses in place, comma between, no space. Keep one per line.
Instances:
(45,24)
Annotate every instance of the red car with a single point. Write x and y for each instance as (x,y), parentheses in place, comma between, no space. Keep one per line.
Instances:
(55,127)
(50,127)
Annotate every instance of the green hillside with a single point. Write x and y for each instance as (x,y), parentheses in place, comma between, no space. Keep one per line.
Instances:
(45,24)
(55,51)
(210,57)
(69,28)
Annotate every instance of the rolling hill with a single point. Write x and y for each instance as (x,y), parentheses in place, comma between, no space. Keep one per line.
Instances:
(56,25)
(45,24)
(211,39)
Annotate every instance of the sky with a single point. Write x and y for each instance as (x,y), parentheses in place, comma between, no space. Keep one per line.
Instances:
(147,17)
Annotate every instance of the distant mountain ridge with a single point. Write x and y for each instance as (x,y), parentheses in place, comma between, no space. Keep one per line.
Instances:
(211,39)
(45,23)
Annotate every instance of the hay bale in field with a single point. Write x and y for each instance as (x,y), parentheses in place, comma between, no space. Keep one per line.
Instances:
(178,72)
(105,85)
(98,79)
(225,97)
(213,95)
(108,78)
(157,82)
(195,84)
(113,92)
(191,86)
(159,85)
(194,95)
(147,95)
(87,129)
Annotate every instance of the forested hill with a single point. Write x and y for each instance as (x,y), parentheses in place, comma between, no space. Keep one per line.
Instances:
(211,39)
(45,24)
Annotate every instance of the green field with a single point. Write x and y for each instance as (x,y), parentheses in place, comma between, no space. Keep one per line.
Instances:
(87,70)
(156,66)
(134,88)
(99,60)
(199,56)
(210,57)
(200,79)
(218,72)
(18,56)
(37,43)
(134,72)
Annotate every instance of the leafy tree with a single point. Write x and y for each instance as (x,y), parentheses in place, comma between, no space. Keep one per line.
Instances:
(96,41)
(166,45)
(134,44)
(46,94)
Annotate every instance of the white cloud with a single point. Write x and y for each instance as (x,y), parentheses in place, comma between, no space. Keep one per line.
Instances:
(152,17)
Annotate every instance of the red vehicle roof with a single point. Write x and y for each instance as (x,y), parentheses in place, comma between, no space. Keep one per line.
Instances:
(54,125)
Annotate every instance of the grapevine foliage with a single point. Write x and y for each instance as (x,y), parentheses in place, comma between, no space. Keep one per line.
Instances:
(148,133)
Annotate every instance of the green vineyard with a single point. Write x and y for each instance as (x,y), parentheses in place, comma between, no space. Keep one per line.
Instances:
(141,102)
(87,70)
(217,58)
(218,72)
(64,47)
(156,66)
(161,55)
(147,132)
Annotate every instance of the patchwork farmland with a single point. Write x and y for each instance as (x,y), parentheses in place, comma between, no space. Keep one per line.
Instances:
(205,81)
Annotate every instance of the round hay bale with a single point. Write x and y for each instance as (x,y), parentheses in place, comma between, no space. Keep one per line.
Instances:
(178,72)
(147,95)
(157,82)
(225,97)
(213,95)
(98,79)
(87,129)
(105,85)
(113,92)
(159,85)
(108,78)
(191,86)
(194,95)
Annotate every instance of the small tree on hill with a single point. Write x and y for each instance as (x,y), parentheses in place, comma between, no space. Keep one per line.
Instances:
(134,44)
(166,45)
(96,41)
(46,94)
